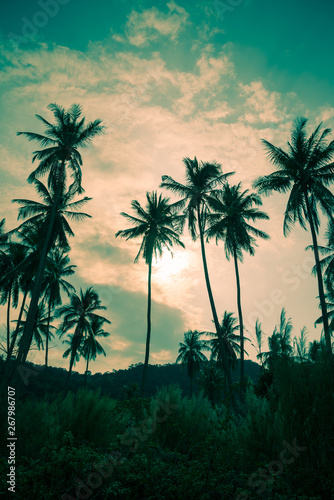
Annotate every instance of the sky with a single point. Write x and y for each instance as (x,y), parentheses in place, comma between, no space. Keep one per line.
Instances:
(169,80)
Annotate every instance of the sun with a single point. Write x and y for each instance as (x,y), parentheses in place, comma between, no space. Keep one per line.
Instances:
(168,265)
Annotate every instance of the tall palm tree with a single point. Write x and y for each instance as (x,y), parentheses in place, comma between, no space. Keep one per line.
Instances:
(40,214)
(157,225)
(79,315)
(203,179)
(190,353)
(91,346)
(306,170)
(61,142)
(57,267)
(234,209)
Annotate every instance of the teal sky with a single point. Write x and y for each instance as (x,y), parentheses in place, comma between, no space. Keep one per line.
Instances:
(169,80)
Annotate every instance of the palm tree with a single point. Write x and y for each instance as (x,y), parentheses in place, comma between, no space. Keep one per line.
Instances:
(156,224)
(60,142)
(202,180)
(233,211)
(91,347)
(300,345)
(41,328)
(314,349)
(280,341)
(190,353)
(40,214)
(57,267)
(10,258)
(79,315)
(306,170)
(259,337)
(212,382)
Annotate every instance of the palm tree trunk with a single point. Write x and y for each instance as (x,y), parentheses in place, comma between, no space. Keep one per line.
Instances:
(213,307)
(241,324)
(87,369)
(319,276)
(46,349)
(8,315)
(148,336)
(191,386)
(7,376)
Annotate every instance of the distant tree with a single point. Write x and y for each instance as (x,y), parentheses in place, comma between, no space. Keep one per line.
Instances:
(306,170)
(190,353)
(212,382)
(91,346)
(157,225)
(79,315)
(300,345)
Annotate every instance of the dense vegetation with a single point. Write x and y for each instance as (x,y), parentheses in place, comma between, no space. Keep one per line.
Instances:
(191,431)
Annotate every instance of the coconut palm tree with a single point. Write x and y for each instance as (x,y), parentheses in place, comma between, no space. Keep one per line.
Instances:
(157,225)
(60,154)
(42,327)
(231,342)
(57,267)
(280,341)
(40,214)
(212,382)
(300,345)
(11,256)
(203,179)
(259,339)
(91,346)
(190,353)
(306,170)
(79,315)
(234,210)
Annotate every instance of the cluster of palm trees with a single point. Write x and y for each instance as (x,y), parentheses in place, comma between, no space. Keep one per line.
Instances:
(212,378)
(213,208)
(34,258)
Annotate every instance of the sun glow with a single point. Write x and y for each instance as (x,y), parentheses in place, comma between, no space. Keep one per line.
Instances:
(168,265)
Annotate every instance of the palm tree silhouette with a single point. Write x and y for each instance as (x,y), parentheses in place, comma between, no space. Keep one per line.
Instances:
(91,346)
(202,180)
(40,215)
(190,353)
(212,382)
(157,225)
(60,154)
(79,315)
(233,211)
(57,267)
(306,170)
(280,341)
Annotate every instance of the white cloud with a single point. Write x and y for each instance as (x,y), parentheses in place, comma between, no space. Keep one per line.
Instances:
(151,24)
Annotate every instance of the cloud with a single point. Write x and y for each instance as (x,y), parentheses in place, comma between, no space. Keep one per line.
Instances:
(152,24)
